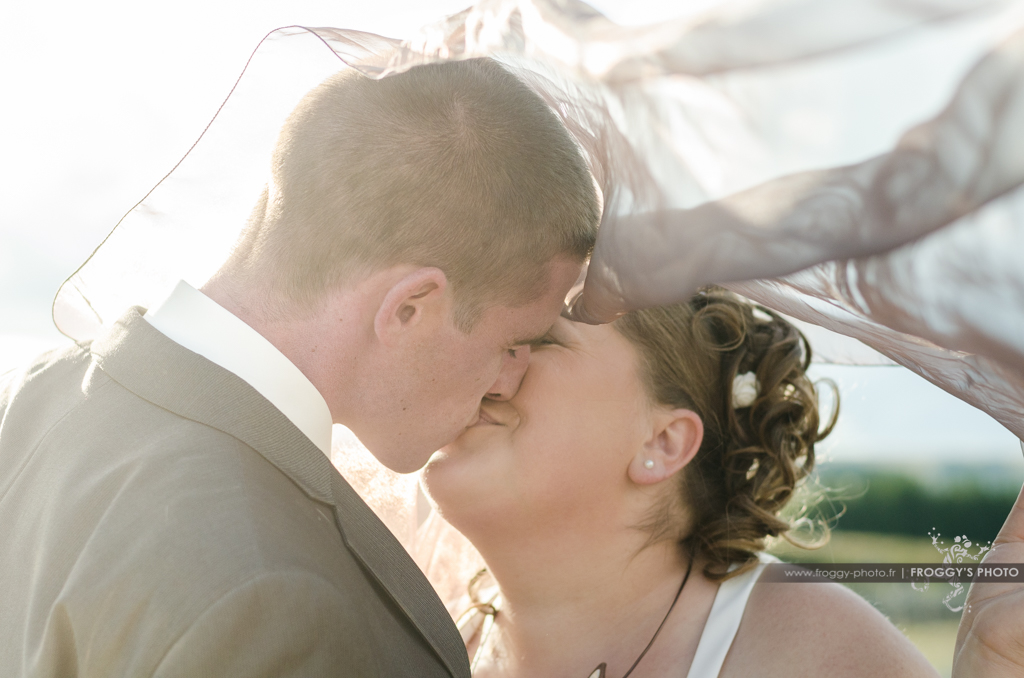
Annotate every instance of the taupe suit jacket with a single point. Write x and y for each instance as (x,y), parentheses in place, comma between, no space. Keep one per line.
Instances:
(159,517)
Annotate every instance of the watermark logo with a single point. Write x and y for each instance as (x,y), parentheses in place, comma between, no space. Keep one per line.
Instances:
(893,573)
(960,550)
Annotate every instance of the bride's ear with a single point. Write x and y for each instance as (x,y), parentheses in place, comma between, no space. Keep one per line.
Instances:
(675,438)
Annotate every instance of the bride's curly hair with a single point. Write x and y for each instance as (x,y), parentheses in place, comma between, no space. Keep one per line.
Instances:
(752,458)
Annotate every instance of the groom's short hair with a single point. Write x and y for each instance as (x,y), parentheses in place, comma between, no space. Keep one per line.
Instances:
(457,165)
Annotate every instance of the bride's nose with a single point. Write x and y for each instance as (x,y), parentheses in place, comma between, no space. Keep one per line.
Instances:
(513,367)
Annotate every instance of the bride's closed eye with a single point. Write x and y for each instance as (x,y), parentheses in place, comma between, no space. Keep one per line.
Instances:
(547,340)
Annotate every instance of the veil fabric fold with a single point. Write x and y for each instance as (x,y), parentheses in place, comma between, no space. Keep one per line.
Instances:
(907,237)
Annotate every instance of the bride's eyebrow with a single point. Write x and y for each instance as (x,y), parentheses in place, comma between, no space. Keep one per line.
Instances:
(524,341)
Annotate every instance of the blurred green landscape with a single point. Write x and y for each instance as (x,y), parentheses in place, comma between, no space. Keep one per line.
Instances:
(882,513)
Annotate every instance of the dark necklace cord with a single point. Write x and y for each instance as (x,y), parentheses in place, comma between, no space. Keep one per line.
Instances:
(601,668)
(490,610)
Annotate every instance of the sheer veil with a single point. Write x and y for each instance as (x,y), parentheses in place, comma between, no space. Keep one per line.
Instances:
(671,116)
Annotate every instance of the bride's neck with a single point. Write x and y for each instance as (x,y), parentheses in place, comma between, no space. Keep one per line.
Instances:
(569,604)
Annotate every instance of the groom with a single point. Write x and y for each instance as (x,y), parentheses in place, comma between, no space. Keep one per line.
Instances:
(167,505)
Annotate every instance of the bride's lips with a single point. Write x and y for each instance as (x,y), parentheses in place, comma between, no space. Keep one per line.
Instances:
(484,418)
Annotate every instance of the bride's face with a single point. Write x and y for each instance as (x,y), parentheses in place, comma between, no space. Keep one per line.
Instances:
(558,452)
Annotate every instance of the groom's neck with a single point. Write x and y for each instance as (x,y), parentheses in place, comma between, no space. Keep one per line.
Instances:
(317,347)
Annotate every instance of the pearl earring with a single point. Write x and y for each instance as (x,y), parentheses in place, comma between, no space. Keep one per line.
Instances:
(649,463)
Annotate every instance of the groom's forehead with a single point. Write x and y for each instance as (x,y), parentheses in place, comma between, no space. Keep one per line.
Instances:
(530,323)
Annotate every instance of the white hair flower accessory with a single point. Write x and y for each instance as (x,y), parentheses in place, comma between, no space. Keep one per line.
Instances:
(744,390)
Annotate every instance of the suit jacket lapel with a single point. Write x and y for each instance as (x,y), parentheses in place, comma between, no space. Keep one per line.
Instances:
(157,369)
(381,554)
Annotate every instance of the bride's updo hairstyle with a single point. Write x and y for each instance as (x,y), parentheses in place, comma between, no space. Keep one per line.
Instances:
(753,455)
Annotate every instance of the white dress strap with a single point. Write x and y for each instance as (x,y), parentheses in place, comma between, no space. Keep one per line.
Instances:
(724,621)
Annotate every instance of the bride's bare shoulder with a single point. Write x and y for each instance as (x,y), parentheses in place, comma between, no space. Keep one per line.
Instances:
(796,630)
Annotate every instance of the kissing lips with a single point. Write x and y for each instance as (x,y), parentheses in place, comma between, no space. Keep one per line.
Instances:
(484,418)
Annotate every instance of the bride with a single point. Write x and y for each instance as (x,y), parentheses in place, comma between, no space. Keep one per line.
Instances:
(621,500)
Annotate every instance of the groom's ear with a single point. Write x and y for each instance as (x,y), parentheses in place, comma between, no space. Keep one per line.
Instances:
(414,299)
(676,436)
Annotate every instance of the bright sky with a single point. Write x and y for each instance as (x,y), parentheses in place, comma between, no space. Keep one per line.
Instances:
(102,98)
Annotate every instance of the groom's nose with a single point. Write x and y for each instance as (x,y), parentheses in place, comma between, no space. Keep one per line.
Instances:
(513,367)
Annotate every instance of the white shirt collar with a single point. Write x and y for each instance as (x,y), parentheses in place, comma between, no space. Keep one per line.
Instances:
(190,318)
